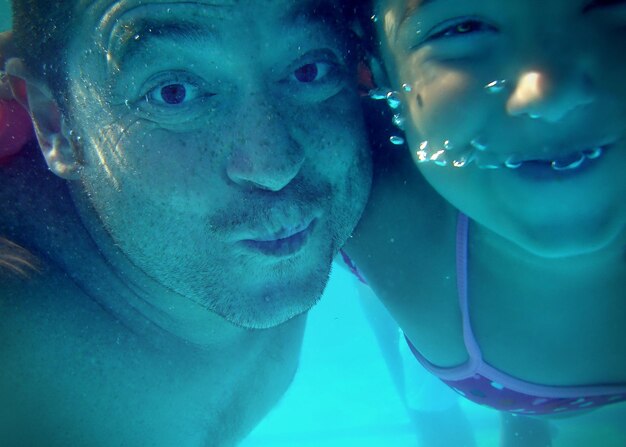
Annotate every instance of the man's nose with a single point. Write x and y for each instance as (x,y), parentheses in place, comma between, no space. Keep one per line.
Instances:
(264,153)
(549,94)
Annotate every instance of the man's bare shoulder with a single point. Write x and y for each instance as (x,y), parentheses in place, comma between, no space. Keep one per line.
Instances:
(63,357)
(39,300)
(66,358)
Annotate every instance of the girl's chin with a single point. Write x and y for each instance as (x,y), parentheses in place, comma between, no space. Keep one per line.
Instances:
(558,242)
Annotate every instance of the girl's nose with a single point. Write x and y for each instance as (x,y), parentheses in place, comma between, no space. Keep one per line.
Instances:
(549,96)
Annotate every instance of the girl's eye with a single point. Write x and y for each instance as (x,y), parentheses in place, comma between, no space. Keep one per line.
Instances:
(173,94)
(459,28)
(312,72)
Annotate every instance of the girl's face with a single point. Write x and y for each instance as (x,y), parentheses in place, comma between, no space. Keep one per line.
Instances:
(516,114)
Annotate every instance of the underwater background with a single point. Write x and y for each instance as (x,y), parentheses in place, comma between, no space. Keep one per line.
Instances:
(343,393)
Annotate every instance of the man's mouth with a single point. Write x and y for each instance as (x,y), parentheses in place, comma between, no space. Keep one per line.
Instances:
(283,242)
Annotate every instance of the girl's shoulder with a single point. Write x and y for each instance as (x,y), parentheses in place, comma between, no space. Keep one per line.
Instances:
(403,207)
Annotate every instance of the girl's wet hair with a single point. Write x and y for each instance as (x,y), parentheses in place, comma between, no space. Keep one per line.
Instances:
(16,260)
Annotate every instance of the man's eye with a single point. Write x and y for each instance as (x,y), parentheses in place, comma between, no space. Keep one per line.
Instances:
(460,28)
(314,77)
(173,94)
(598,4)
(312,72)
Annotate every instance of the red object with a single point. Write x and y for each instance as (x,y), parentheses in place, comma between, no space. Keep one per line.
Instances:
(16,129)
(365,79)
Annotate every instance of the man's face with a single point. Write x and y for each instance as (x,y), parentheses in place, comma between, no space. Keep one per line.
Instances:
(543,152)
(223,146)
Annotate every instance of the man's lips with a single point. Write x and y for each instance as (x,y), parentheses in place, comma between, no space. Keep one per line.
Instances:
(283,242)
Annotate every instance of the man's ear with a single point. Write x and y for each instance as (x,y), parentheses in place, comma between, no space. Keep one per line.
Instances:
(365,32)
(54,141)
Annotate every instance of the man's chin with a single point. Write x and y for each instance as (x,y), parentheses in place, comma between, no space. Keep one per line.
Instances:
(271,305)
(269,314)
(268,321)
(262,295)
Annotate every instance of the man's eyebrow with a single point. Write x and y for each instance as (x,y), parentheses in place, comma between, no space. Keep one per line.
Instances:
(130,38)
(316,11)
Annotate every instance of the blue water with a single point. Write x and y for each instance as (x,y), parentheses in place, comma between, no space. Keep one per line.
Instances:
(343,394)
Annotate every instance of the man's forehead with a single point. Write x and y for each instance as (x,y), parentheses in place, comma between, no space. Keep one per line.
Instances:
(104,15)
(108,4)
(284,6)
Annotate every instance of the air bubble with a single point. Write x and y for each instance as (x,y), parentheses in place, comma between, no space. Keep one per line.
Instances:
(488,166)
(460,163)
(393,100)
(568,164)
(422,156)
(374,18)
(478,145)
(378,93)
(407,88)
(396,140)
(496,86)
(594,153)
(437,156)
(511,163)
(136,37)
(398,121)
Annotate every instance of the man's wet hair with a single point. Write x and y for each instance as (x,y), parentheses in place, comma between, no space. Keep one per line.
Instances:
(42,32)
(364,14)
(41,36)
